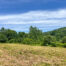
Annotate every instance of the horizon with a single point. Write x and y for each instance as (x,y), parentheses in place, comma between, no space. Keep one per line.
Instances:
(33,26)
(19,15)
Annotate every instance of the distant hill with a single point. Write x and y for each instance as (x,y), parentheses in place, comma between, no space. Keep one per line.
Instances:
(59,33)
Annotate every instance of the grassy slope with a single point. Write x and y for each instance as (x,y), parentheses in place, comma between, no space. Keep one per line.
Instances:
(24,55)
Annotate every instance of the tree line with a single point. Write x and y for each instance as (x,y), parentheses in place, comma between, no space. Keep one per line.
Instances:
(34,37)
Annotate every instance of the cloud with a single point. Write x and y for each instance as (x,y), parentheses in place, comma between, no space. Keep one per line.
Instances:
(42,19)
(58,16)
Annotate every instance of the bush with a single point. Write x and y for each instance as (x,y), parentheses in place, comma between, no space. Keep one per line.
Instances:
(27,41)
(3,38)
(64,45)
(49,40)
(53,44)
(64,40)
(58,44)
(19,40)
(10,34)
(12,41)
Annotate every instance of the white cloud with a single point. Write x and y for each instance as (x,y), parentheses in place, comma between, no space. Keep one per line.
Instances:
(35,17)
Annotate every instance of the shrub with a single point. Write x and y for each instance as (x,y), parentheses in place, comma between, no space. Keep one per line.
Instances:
(64,40)
(64,45)
(12,41)
(53,44)
(58,44)
(27,41)
(48,40)
(3,38)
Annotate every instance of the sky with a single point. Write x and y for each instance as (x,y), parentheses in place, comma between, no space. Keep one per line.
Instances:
(19,15)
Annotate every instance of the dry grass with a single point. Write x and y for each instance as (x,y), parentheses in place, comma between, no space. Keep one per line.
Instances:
(25,55)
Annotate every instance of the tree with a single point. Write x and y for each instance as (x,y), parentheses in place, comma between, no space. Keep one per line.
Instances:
(49,40)
(22,35)
(58,33)
(2,29)
(35,33)
(64,39)
(10,34)
(27,41)
(3,38)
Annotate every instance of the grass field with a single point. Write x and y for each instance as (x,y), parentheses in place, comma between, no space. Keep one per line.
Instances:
(25,55)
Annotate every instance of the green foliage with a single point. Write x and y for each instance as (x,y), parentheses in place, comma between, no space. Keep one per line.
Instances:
(64,45)
(48,40)
(59,44)
(3,38)
(53,44)
(22,35)
(35,33)
(19,40)
(64,39)
(11,34)
(35,37)
(27,41)
(12,41)
(58,33)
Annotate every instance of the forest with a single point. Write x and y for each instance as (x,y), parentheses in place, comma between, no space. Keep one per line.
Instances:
(35,36)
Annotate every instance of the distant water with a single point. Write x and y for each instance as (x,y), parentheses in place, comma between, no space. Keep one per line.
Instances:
(25,27)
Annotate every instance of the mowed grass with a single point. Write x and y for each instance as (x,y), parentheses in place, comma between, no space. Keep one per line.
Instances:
(26,55)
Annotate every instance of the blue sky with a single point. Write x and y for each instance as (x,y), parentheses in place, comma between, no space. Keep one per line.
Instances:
(19,15)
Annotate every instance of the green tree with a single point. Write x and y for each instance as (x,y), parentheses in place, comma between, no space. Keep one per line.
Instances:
(64,39)
(10,34)
(2,29)
(58,33)
(27,41)
(3,38)
(35,33)
(49,40)
(22,35)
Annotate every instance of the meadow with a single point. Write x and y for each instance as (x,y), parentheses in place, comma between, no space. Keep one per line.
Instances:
(12,54)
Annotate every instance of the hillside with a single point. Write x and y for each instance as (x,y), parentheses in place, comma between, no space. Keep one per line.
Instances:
(58,33)
(26,55)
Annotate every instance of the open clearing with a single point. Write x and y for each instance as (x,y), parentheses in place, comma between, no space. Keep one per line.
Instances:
(26,55)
